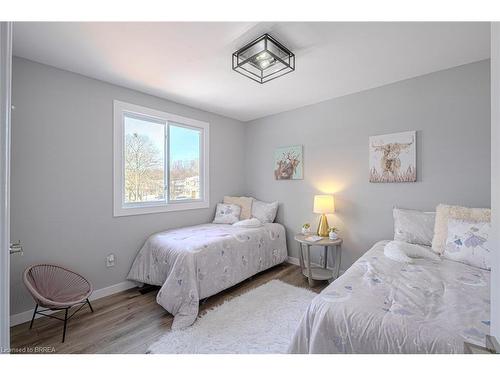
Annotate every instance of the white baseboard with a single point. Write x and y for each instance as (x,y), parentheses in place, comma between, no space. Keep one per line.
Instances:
(26,316)
(293,260)
(109,290)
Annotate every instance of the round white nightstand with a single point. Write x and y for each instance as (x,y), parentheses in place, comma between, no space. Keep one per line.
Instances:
(319,273)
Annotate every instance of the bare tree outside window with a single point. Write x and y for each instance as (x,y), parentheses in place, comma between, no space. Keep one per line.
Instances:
(144,169)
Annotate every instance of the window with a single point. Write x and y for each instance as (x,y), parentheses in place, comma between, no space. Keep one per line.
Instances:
(160,161)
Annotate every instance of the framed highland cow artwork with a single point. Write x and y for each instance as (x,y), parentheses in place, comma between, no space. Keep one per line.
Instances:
(393,157)
(288,163)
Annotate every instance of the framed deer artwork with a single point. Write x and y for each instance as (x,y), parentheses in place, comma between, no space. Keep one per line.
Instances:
(288,163)
(393,157)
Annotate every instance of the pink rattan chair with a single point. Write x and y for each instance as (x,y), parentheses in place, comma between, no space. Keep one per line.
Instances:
(56,288)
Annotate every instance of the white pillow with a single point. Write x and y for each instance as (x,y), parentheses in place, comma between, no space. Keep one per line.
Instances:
(403,252)
(412,226)
(248,223)
(227,213)
(265,212)
(467,242)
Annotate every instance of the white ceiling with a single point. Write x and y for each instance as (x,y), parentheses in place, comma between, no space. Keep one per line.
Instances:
(190,62)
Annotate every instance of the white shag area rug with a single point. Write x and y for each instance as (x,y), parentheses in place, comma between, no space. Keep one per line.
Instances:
(260,321)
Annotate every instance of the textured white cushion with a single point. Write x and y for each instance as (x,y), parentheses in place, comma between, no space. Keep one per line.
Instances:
(227,213)
(445,212)
(244,202)
(248,223)
(412,226)
(403,252)
(467,242)
(265,212)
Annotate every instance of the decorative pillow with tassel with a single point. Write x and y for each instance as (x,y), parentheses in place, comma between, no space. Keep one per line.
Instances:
(445,212)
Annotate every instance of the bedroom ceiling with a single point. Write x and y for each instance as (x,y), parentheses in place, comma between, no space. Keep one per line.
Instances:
(190,62)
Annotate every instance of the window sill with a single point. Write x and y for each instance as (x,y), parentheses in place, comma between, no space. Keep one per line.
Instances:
(154,209)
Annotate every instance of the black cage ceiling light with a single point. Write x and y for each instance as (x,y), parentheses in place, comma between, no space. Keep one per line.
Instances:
(263,59)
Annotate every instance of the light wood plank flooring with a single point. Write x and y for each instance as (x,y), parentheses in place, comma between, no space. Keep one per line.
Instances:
(128,322)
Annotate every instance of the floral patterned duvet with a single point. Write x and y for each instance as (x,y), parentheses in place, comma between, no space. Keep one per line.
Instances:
(197,262)
(382,306)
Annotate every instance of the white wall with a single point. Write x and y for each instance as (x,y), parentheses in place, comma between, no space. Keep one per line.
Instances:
(450,110)
(62,175)
(495,177)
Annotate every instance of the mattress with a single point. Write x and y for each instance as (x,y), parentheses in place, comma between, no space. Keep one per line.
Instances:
(382,306)
(196,262)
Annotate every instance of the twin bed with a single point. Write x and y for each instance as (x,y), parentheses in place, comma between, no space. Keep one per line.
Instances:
(197,262)
(382,306)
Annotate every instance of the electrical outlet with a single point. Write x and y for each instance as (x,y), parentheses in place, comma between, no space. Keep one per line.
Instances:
(110,260)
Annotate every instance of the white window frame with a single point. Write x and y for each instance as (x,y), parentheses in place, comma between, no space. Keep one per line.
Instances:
(120,208)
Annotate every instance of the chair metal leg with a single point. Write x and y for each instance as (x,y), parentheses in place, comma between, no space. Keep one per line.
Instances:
(34,314)
(65,324)
(91,309)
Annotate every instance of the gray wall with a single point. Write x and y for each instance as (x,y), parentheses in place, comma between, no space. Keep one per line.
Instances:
(62,164)
(450,110)
(62,175)
(495,178)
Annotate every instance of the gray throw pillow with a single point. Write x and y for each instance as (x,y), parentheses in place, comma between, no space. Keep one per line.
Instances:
(412,226)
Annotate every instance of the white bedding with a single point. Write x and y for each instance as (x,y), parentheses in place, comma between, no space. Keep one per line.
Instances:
(382,306)
(197,262)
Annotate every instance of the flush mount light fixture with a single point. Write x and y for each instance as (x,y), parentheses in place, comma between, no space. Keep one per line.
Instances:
(263,59)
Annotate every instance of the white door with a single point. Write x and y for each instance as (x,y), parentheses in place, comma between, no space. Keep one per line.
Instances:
(5,107)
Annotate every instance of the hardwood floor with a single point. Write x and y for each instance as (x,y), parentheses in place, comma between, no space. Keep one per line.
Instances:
(128,322)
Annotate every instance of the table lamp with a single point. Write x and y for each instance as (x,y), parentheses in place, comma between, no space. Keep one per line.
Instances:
(323,204)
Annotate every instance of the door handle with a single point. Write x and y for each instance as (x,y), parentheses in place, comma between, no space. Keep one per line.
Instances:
(16,248)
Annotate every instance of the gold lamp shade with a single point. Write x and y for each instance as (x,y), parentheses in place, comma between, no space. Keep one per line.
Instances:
(323,204)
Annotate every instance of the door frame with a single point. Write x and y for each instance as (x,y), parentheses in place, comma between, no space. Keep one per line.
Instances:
(5,134)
